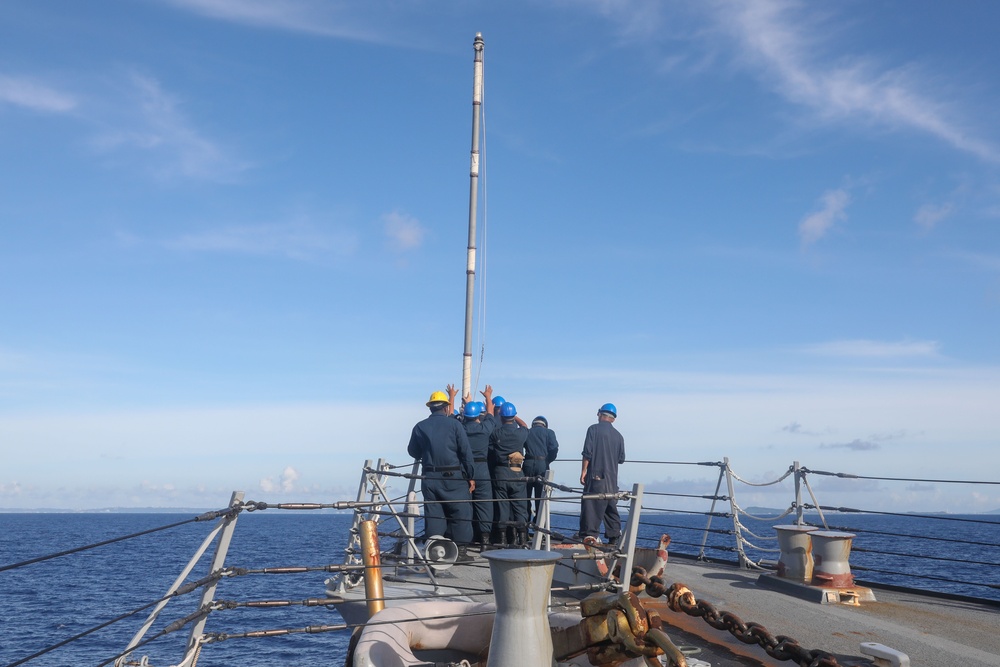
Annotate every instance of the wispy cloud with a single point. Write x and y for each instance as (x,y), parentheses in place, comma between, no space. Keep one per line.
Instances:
(783,42)
(856,445)
(929,215)
(150,120)
(979,260)
(875,349)
(634,18)
(299,241)
(328,18)
(34,95)
(796,428)
(816,225)
(404,232)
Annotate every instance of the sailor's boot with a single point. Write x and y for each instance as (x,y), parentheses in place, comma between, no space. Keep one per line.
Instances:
(463,554)
(484,540)
(522,537)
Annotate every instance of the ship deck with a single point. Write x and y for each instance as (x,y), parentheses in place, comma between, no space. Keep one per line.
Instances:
(932,631)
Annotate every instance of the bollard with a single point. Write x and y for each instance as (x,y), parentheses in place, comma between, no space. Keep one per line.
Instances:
(796,560)
(832,553)
(521,583)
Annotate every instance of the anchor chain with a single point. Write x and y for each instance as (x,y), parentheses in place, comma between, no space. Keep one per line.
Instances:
(616,628)
(681,599)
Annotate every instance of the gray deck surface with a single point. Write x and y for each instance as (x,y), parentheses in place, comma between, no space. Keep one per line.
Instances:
(932,632)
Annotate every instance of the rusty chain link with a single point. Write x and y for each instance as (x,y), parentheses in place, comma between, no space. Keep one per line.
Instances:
(681,599)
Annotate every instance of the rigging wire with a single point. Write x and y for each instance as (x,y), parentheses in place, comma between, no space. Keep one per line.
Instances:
(951,540)
(184,590)
(208,516)
(481,242)
(717,464)
(851,510)
(844,475)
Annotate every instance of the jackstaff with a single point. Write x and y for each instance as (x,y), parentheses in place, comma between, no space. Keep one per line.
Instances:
(470,271)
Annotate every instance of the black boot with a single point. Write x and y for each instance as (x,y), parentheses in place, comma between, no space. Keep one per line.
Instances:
(484,540)
(463,555)
(522,538)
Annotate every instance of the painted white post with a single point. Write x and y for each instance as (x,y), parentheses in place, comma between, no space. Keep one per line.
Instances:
(521,583)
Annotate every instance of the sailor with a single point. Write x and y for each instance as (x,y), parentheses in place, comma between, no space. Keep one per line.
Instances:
(506,458)
(448,472)
(540,450)
(479,423)
(603,452)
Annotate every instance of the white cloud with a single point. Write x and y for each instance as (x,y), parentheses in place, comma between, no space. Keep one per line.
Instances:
(929,215)
(816,225)
(876,349)
(857,445)
(10,489)
(299,241)
(284,484)
(775,39)
(635,18)
(288,477)
(948,417)
(403,231)
(326,18)
(978,260)
(150,120)
(30,94)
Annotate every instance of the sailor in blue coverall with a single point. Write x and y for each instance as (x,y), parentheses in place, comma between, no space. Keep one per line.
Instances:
(506,458)
(603,451)
(540,450)
(478,427)
(448,470)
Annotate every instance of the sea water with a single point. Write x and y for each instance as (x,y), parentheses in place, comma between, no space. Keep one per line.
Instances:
(48,602)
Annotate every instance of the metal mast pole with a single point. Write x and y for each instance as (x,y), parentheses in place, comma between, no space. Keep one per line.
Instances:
(470,269)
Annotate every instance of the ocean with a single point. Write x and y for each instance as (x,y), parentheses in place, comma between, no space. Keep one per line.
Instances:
(48,602)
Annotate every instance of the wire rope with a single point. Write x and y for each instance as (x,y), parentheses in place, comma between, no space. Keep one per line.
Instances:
(482,241)
(201,517)
(844,475)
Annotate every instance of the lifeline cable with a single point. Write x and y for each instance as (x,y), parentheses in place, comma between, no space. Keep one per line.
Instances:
(851,510)
(950,540)
(716,464)
(187,588)
(693,529)
(208,516)
(686,495)
(847,475)
(926,576)
(940,558)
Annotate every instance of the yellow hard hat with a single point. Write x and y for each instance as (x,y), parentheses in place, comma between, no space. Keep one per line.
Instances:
(437,397)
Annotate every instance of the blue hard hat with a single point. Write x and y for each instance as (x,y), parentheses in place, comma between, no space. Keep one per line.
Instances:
(540,420)
(508,410)
(472,409)
(610,409)
(482,406)
(498,401)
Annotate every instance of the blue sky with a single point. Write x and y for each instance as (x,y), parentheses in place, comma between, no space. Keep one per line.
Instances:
(233,238)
